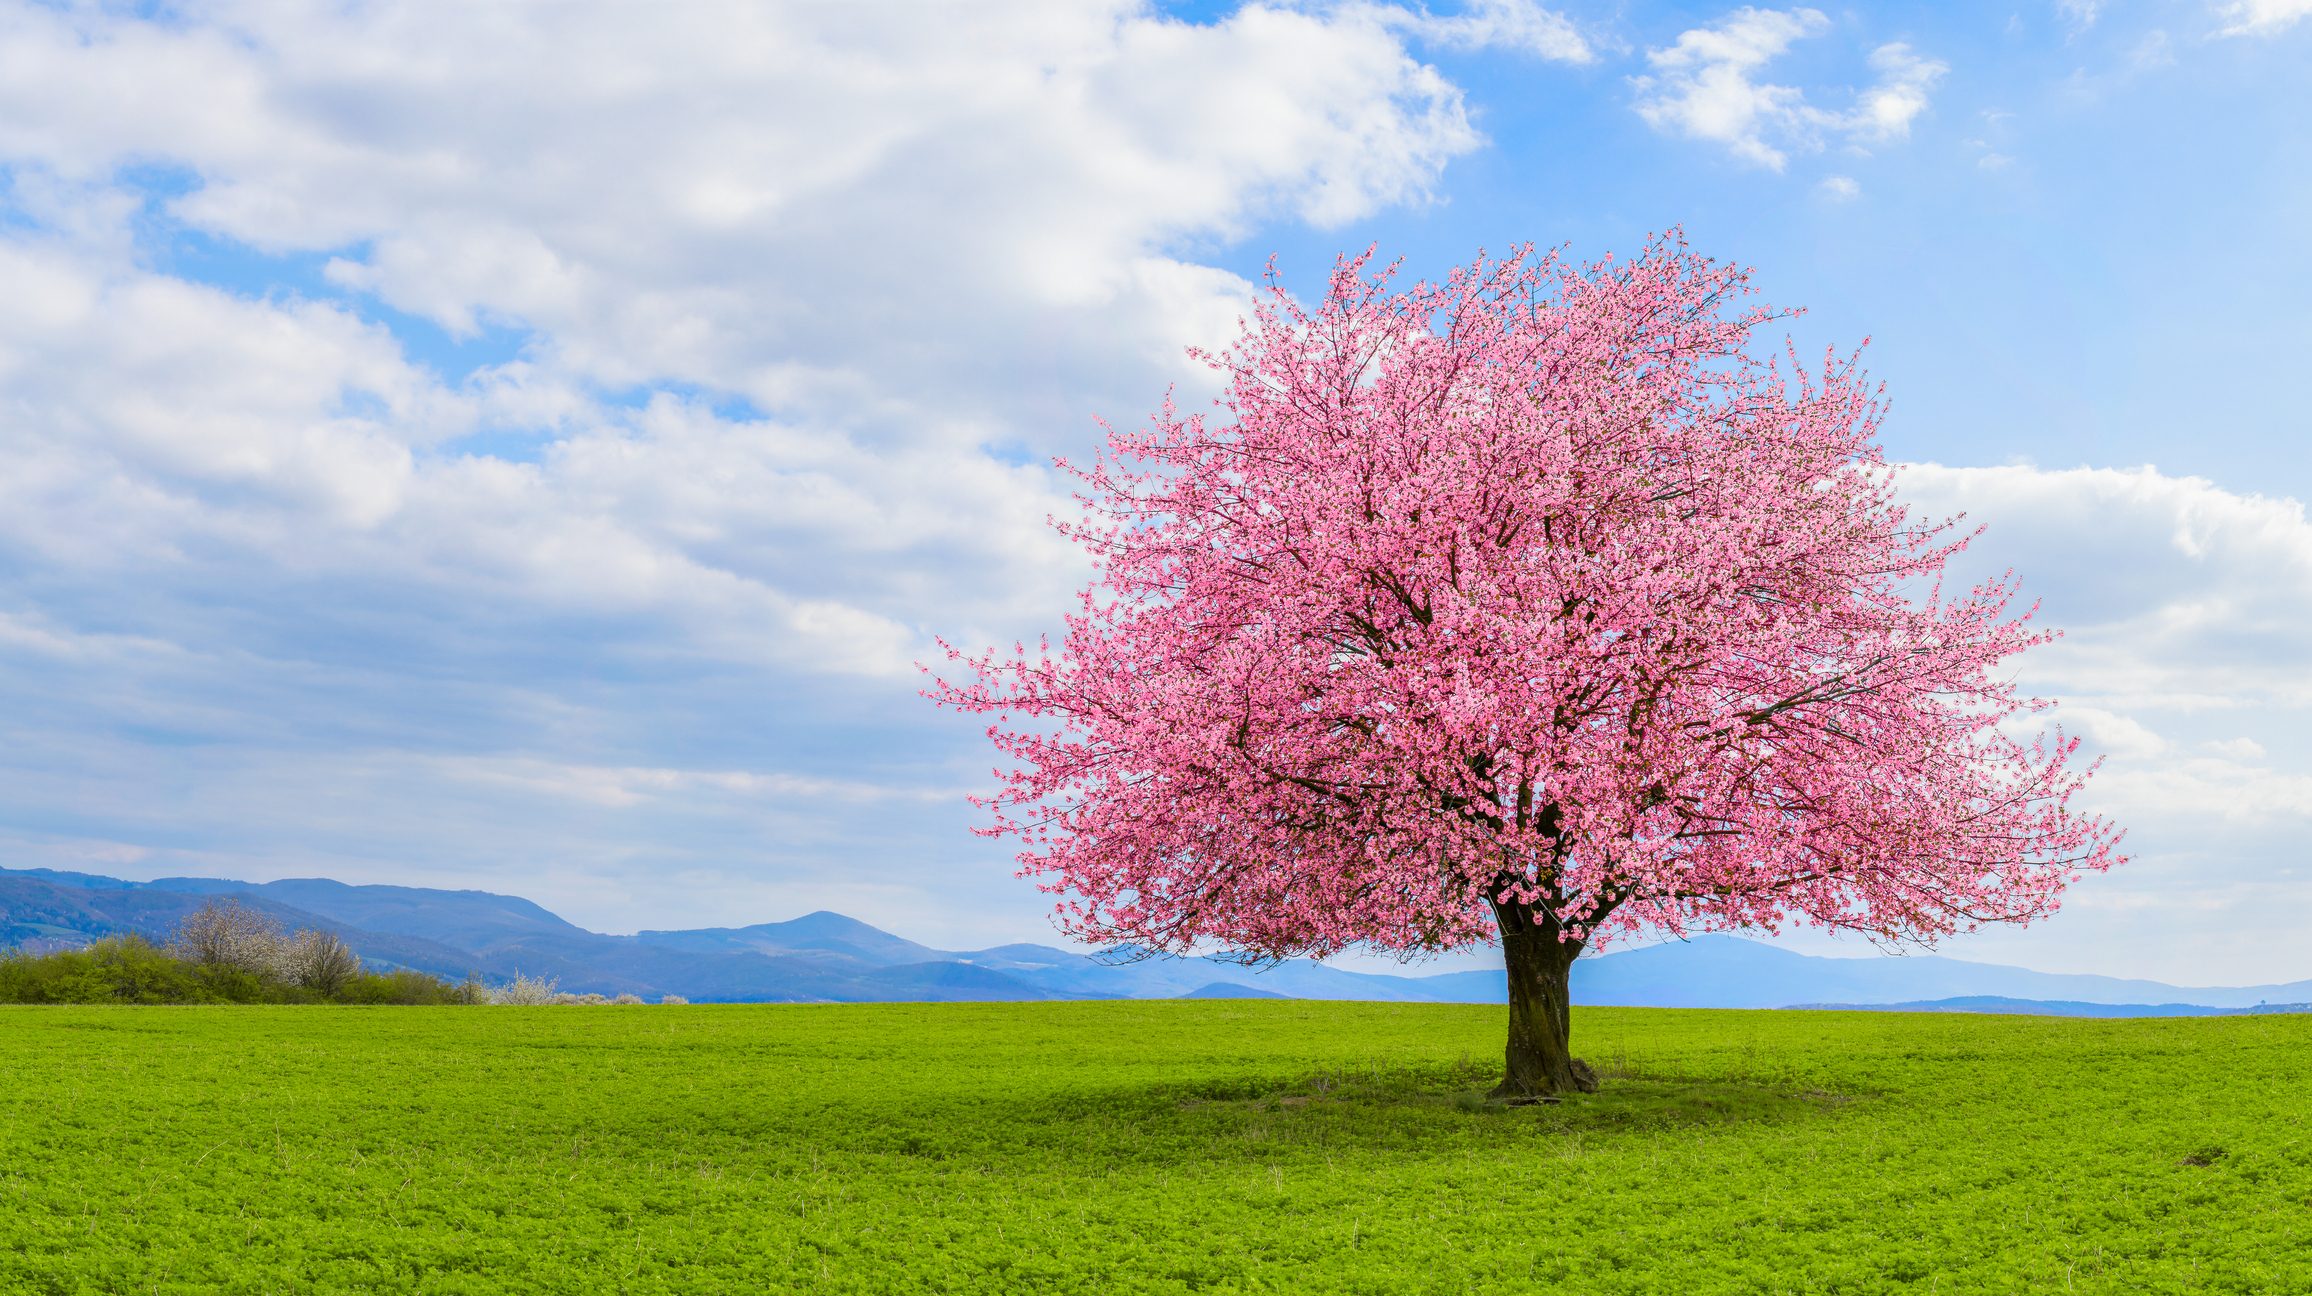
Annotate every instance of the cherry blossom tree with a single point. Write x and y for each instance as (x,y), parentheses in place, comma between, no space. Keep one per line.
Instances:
(1528,607)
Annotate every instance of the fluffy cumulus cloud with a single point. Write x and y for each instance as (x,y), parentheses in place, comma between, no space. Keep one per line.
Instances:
(695,194)
(2261,17)
(2186,617)
(2176,593)
(1708,85)
(534,443)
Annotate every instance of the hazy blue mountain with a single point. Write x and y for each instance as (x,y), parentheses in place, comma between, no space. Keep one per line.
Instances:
(35,908)
(84,881)
(822,957)
(1489,986)
(1229,990)
(822,932)
(956,981)
(1143,978)
(2061,1008)
(471,920)
(1729,972)
(828,957)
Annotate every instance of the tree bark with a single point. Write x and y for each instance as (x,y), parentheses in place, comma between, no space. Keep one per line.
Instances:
(1540,1058)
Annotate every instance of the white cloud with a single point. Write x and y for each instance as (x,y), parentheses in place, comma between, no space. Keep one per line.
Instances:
(2198,789)
(621,787)
(2114,734)
(1840,188)
(1706,86)
(302,403)
(2154,51)
(37,634)
(737,195)
(1519,25)
(912,235)
(2261,17)
(1995,136)
(2186,613)
(2079,14)
(1885,111)
(2174,592)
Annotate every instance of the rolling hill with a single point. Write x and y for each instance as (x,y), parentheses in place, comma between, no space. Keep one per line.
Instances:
(828,957)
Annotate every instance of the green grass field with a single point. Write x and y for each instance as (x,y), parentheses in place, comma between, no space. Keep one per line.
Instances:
(1142,1147)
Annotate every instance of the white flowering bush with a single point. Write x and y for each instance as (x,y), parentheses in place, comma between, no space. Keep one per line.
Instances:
(526,992)
(535,992)
(227,933)
(316,960)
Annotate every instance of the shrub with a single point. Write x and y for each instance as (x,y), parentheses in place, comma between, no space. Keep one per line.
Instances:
(627,999)
(402,986)
(124,969)
(226,933)
(672,999)
(525,992)
(316,960)
(131,970)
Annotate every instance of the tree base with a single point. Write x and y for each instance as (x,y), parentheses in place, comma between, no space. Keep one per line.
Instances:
(1518,1091)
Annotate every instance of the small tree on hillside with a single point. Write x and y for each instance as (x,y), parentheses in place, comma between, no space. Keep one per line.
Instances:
(316,960)
(1527,607)
(226,933)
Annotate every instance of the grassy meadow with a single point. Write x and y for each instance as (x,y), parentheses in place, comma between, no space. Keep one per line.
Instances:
(1210,1146)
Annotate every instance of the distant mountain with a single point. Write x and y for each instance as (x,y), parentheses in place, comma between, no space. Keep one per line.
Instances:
(827,957)
(40,907)
(822,957)
(1226,990)
(2062,1008)
(821,932)
(465,919)
(1729,972)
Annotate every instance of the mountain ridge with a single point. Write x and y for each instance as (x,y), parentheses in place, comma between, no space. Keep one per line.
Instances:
(830,957)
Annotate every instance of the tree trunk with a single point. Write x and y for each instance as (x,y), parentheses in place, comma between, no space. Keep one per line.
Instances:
(1540,1061)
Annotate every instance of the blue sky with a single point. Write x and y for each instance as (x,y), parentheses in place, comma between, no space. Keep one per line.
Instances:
(525,448)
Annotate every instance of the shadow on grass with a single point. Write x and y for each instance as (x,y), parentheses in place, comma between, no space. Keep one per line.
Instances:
(1403,1111)
(1624,1100)
(1396,1110)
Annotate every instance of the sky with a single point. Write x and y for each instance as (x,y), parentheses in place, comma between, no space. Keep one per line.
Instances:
(527,447)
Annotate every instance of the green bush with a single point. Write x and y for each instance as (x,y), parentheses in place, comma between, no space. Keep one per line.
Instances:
(402,986)
(131,970)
